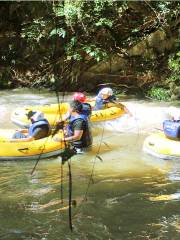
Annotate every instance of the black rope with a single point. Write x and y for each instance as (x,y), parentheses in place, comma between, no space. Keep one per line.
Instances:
(64,158)
(93,167)
(55,70)
(92,170)
(70,196)
(62,181)
(62,175)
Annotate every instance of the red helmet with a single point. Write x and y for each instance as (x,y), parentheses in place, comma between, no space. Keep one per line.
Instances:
(79,97)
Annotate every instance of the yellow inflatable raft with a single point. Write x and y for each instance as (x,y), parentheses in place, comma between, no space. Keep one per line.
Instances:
(160,146)
(43,148)
(54,112)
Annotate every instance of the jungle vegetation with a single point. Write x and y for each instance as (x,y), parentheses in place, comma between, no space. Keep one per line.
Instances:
(79,45)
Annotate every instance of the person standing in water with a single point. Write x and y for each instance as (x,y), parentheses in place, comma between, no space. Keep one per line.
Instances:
(77,131)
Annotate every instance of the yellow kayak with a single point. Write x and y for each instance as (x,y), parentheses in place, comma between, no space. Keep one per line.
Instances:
(160,146)
(43,148)
(54,112)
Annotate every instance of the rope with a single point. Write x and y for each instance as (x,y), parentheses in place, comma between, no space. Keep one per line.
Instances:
(65,144)
(94,162)
(69,158)
(70,196)
(92,170)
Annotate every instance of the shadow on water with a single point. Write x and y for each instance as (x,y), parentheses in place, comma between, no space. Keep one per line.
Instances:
(131,195)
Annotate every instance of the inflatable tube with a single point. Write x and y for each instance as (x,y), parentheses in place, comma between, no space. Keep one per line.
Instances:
(43,148)
(54,112)
(160,146)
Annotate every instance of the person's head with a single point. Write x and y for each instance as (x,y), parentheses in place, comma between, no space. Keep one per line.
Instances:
(35,116)
(174,113)
(76,106)
(78,96)
(105,92)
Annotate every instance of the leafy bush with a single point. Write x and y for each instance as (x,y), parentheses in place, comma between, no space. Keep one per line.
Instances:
(174,66)
(159,93)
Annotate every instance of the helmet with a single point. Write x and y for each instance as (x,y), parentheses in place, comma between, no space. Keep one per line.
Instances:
(106,91)
(174,113)
(35,115)
(79,97)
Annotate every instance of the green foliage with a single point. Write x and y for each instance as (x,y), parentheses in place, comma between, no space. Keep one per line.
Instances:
(58,31)
(72,51)
(71,10)
(58,9)
(174,66)
(159,93)
(104,22)
(95,52)
(5,78)
(164,6)
(34,31)
(82,32)
(100,5)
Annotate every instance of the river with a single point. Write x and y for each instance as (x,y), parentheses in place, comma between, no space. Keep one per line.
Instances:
(122,194)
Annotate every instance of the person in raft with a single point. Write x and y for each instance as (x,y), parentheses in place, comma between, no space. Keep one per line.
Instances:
(104,99)
(77,131)
(39,128)
(174,113)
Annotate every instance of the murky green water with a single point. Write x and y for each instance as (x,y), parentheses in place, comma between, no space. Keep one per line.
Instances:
(131,195)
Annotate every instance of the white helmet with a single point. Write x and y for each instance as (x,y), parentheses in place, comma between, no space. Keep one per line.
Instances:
(38,115)
(106,91)
(174,113)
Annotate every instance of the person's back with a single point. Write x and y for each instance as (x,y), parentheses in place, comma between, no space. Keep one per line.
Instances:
(38,129)
(86,109)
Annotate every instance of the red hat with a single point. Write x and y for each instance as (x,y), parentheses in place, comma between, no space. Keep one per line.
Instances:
(79,97)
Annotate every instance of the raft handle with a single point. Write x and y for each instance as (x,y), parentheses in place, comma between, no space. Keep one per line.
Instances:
(23,149)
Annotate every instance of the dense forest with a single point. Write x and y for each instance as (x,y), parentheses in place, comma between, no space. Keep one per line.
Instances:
(69,45)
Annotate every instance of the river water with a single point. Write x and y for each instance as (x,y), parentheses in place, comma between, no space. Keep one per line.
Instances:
(122,194)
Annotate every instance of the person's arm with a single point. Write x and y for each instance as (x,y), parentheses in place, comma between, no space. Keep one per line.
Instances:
(77,136)
(120,105)
(64,118)
(25,131)
(90,99)
(78,132)
(34,136)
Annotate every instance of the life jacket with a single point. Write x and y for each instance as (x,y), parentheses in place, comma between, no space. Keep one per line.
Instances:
(100,101)
(86,110)
(86,139)
(172,129)
(38,124)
